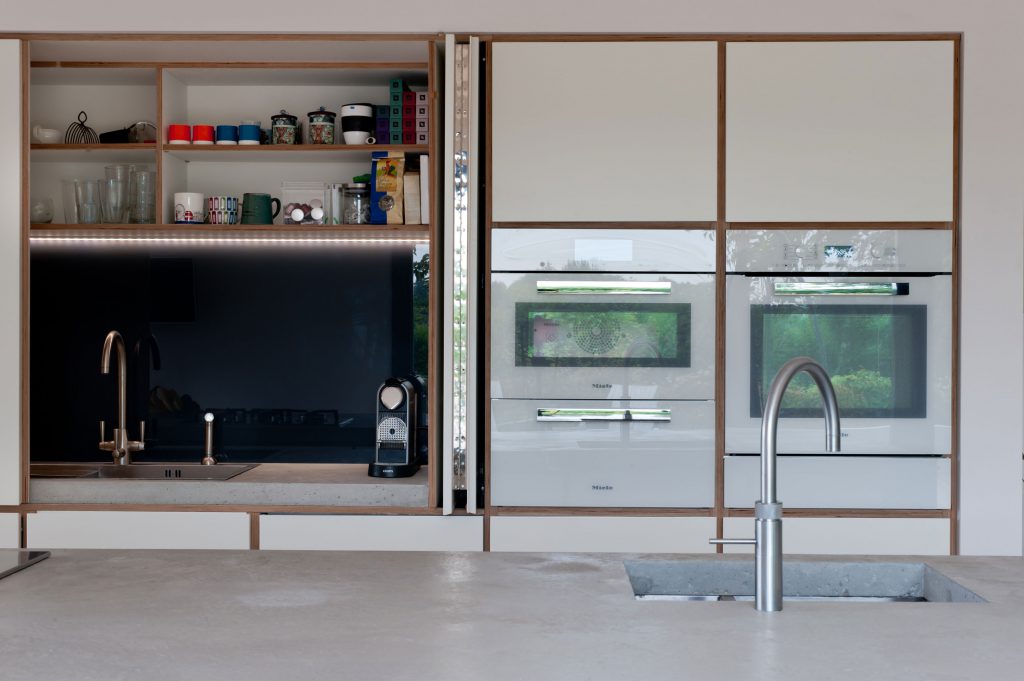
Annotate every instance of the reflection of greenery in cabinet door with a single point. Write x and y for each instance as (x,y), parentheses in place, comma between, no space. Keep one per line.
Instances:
(858,349)
(420,309)
(606,334)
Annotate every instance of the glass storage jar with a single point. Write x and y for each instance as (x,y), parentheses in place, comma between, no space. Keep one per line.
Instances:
(355,203)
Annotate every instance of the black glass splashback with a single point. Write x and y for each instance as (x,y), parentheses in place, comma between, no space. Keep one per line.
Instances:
(285,345)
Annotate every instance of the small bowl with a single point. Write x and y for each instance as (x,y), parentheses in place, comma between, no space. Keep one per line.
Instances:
(47,135)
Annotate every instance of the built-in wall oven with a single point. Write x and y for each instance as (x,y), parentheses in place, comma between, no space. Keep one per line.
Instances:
(602,355)
(875,308)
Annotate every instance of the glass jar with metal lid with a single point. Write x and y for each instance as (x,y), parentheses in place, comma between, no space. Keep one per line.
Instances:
(355,203)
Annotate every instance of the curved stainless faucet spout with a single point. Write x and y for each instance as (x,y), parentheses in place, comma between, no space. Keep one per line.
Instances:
(770,420)
(767,539)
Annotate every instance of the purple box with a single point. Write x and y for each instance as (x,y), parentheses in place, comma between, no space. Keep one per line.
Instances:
(422,112)
(421,137)
(421,99)
(421,125)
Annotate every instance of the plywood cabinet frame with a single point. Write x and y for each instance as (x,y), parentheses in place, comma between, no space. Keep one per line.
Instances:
(428,66)
(722,226)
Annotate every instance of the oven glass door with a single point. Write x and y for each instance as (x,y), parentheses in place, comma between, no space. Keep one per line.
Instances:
(885,342)
(874,354)
(560,334)
(602,336)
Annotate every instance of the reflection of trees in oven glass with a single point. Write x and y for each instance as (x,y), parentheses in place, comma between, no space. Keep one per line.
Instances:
(618,334)
(858,351)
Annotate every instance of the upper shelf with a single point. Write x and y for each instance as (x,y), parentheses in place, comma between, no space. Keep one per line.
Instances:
(100,153)
(281,152)
(236,48)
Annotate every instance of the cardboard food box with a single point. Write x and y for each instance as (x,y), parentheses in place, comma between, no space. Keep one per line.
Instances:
(387,187)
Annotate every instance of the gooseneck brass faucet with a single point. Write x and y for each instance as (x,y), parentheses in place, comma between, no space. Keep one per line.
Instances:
(767,539)
(120,447)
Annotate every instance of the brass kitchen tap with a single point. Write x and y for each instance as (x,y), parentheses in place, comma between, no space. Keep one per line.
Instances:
(120,447)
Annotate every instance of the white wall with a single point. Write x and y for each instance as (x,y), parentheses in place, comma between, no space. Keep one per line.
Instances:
(993,159)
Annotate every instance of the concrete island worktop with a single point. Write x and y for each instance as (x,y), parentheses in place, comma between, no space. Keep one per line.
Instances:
(362,616)
(266,484)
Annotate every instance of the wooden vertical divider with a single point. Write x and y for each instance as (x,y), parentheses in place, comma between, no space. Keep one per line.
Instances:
(720,230)
(158,208)
(954,455)
(23,440)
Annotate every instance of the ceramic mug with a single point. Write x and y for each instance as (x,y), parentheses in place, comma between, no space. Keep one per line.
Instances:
(256,209)
(189,208)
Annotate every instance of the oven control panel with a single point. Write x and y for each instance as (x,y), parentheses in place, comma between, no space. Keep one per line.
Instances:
(839,251)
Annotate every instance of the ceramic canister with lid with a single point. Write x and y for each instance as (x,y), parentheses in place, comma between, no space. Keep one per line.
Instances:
(321,126)
(285,128)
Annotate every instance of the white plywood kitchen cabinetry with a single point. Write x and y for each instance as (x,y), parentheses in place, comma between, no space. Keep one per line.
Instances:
(137,530)
(10,531)
(604,131)
(10,273)
(371,533)
(874,536)
(602,533)
(840,131)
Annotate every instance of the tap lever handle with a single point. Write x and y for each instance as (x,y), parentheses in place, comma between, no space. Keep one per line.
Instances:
(103,431)
(142,431)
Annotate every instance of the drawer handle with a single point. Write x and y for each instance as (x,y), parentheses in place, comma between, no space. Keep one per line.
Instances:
(618,288)
(579,415)
(852,288)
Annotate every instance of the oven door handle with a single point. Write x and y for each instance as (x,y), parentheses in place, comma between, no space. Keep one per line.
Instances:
(580,415)
(619,288)
(841,288)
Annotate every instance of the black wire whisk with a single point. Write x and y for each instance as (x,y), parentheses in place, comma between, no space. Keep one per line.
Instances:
(80,133)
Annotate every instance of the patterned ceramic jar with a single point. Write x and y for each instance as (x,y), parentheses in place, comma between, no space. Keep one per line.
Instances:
(285,128)
(321,126)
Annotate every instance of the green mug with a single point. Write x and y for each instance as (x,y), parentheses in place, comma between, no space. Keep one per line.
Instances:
(256,209)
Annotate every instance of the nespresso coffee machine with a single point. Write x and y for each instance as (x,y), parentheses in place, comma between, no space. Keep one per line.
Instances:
(396,454)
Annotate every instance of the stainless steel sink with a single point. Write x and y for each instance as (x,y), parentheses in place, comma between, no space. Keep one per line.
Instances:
(140,471)
(733,580)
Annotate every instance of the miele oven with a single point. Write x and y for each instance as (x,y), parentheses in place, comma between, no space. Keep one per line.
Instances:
(602,367)
(875,308)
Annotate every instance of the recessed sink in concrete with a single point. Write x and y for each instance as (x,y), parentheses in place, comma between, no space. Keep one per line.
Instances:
(728,580)
(140,471)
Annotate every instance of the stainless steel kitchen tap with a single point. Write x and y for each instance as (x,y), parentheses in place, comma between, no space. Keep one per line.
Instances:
(120,446)
(767,539)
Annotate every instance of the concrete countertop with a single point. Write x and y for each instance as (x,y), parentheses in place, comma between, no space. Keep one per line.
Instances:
(255,615)
(266,484)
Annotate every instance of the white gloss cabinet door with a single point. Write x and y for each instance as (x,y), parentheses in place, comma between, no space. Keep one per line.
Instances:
(137,530)
(10,530)
(603,534)
(10,272)
(371,533)
(592,131)
(839,131)
(852,536)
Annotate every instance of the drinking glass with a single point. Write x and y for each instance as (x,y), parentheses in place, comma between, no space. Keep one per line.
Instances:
(87,193)
(70,201)
(114,200)
(142,201)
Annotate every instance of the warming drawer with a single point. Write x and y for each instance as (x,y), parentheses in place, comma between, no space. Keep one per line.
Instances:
(602,453)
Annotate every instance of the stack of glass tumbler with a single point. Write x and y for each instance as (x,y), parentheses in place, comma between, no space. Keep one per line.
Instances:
(127,195)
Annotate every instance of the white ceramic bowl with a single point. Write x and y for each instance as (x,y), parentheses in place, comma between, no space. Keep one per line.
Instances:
(47,135)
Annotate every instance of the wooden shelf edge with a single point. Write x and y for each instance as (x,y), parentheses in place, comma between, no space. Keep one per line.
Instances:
(135,146)
(295,148)
(207,230)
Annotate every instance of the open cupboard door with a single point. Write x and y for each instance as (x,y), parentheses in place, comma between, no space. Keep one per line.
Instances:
(460,368)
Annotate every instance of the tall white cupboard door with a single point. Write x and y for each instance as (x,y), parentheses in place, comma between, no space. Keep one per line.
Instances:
(839,131)
(10,272)
(622,131)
